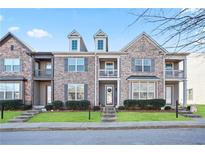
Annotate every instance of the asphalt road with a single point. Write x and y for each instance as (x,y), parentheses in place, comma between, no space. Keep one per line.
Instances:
(106,137)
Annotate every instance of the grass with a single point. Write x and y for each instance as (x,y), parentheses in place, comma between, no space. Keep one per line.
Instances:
(66,117)
(201,110)
(9,115)
(148,116)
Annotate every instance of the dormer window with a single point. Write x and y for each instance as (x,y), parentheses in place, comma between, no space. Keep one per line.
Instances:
(100,44)
(74,45)
(12,47)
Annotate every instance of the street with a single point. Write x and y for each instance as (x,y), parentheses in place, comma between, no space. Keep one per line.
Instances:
(106,137)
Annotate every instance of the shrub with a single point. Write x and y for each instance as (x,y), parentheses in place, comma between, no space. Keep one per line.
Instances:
(78,105)
(154,104)
(96,108)
(57,105)
(167,108)
(49,107)
(188,108)
(12,104)
(121,108)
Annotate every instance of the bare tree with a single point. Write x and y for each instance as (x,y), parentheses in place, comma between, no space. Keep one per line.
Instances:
(184,29)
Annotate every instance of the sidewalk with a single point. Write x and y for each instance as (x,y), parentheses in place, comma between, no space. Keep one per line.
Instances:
(51,126)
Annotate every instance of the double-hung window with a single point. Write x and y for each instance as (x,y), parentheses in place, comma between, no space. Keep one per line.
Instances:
(12,65)
(75,91)
(143,90)
(76,64)
(10,91)
(143,65)
(74,45)
(100,44)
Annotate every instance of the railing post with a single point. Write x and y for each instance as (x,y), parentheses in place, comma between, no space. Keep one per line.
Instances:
(177,105)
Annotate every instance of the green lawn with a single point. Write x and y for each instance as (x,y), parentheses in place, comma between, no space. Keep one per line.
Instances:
(9,115)
(149,116)
(201,110)
(66,117)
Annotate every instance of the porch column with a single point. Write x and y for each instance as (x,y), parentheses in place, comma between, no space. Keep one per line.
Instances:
(185,83)
(118,67)
(95,103)
(118,93)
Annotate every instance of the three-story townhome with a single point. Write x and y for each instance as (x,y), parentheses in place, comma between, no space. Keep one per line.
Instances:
(140,70)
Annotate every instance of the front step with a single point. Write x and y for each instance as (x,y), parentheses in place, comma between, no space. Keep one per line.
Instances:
(17,120)
(108,114)
(191,115)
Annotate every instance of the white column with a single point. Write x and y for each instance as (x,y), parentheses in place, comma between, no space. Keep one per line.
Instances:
(118,93)
(185,83)
(95,103)
(118,67)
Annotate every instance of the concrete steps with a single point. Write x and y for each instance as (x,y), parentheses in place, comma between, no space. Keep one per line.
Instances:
(189,114)
(109,114)
(25,116)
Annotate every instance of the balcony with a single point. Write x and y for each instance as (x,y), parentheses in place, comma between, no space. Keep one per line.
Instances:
(43,73)
(174,74)
(105,73)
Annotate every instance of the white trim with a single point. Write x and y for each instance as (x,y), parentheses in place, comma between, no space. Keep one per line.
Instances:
(76,92)
(95,103)
(118,93)
(142,61)
(172,94)
(104,44)
(76,64)
(109,62)
(147,91)
(78,44)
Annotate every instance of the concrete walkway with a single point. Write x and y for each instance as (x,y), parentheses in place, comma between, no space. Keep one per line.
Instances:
(197,123)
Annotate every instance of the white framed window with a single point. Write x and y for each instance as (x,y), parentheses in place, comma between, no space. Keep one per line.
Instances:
(143,65)
(12,65)
(10,91)
(75,91)
(74,45)
(76,64)
(100,44)
(143,90)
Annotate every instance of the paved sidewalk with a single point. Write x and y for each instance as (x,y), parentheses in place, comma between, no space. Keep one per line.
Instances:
(200,123)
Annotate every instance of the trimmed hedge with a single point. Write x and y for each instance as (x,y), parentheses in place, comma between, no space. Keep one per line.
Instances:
(12,104)
(49,107)
(96,108)
(154,104)
(121,108)
(167,108)
(57,105)
(78,105)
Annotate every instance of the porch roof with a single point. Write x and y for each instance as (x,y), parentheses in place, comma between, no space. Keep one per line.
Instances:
(142,77)
(12,78)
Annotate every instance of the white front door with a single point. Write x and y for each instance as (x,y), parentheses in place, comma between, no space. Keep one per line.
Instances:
(109,92)
(168,94)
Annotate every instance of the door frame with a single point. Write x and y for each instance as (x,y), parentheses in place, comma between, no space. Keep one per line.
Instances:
(109,85)
(47,93)
(172,94)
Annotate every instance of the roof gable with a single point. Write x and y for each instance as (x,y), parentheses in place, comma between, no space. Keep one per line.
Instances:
(100,33)
(124,49)
(74,33)
(9,34)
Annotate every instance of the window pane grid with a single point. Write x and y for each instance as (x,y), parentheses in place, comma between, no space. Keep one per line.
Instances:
(76,64)
(143,65)
(100,44)
(75,91)
(12,65)
(74,44)
(10,91)
(143,90)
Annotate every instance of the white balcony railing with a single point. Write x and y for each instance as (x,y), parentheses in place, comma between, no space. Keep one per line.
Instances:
(108,73)
(174,74)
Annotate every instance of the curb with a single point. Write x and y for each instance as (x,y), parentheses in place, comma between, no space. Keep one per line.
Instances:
(99,128)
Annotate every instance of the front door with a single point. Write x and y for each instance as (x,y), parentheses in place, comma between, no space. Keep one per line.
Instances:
(48,94)
(109,93)
(168,94)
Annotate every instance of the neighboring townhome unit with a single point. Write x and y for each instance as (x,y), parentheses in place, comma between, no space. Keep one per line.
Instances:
(140,70)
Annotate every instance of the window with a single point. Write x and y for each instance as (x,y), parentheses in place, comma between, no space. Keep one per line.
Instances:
(76,64)
(100,44)
(74,45)
(12,47)
(75,91)
(190,94)
(9,91)
(143,65)
(143,90)
(12,65)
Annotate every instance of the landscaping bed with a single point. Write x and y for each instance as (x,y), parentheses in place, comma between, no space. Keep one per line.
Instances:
(65,116)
